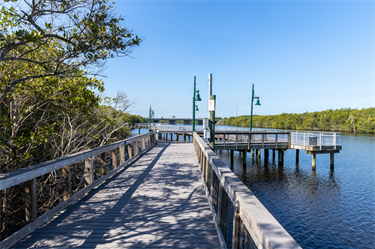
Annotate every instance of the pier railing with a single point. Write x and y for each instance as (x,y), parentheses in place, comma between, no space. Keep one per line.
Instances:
(316,139)
(240,219)
(92,166)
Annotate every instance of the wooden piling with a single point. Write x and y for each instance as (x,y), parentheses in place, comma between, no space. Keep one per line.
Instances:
(297,156)
(244,157)
(313,160)
(258,153)
(252,153)
(266,155)
(280,157)
(332,159)
(231,157)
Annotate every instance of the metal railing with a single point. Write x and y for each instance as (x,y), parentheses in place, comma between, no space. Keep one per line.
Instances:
(240,219)
(95,171)
(316,139)
(166,127)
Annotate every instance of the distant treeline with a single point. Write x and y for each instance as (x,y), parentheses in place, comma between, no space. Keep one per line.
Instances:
(350,120)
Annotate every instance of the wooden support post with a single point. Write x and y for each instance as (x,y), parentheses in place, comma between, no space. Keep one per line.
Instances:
(139,130)
(130,152)
(236,225)
(31,208)
(219,203)
(273,154)
(122,154)
(67,183)
(114,159)
(258,153)
(244,157)
(231,157)
(135,147)
(280,157)
(313,161)
(297,156)
(177,136)
(183,137)
(266,155)
(89,171)
(103,164)
(252,153)
(332,159)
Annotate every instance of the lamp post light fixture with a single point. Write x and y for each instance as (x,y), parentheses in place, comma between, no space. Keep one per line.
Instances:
(151,115)
(251,116)
(195,98)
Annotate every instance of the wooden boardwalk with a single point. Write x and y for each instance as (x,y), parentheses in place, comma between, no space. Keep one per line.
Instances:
(156,202)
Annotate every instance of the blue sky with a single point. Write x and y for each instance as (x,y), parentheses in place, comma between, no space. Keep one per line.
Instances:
(301,56)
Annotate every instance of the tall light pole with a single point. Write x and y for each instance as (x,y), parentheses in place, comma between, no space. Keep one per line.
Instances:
(150,116)
(195,98)
(251,116)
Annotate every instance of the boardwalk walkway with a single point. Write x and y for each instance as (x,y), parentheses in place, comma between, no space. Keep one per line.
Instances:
(149,204)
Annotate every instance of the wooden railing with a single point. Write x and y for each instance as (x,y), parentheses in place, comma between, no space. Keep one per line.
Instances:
(240,219)
(135,146)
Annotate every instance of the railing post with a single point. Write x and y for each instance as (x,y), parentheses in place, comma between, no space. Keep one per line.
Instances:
(224,140)
(320,141)
(89,171)
(114,159)
(103,164)
(135,147)
(122,154)
(236,225)
(263,140)
(276,139)
(31,208)
(236,140)
(130,154)
(67,183)
(334,140)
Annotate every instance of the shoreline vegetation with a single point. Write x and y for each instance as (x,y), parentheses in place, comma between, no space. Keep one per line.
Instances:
(339,120)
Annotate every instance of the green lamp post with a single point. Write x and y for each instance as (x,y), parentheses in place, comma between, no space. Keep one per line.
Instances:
(150,116)
(195,98)
(251,116)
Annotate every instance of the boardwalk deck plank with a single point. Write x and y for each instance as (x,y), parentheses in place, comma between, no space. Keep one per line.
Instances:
(158,202)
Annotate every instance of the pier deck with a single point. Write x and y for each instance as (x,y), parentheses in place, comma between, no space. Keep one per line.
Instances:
(157,202)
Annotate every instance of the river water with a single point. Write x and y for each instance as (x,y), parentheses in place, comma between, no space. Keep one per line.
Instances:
(325,208)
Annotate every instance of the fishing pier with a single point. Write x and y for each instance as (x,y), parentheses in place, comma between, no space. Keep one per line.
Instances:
(277,141)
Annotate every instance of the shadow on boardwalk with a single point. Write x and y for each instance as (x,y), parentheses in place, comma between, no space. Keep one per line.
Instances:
(157,202)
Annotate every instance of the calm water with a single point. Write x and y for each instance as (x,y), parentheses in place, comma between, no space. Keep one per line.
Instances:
(325,208)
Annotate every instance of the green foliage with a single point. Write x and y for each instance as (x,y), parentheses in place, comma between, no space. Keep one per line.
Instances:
(82,33)
(351,120)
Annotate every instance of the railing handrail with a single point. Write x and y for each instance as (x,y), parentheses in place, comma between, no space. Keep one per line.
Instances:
(265,230)
(12,178)
(28,175)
